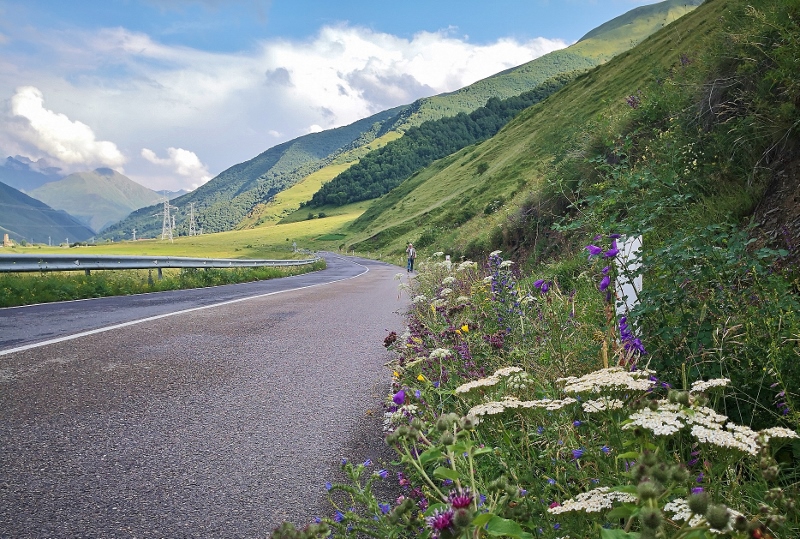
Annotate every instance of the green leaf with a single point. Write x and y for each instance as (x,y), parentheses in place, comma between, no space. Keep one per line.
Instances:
(431,455)
(628,455)
(617,534)
(445,473)
(502,527)
(482,519)
(624,511)
(482,451)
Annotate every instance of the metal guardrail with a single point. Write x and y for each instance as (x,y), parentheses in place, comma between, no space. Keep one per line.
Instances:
(28,263)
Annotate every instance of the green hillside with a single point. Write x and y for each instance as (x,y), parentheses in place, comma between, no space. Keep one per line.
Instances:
(26,219)
(465,201)
(97,198)
(235,194)
(381,170)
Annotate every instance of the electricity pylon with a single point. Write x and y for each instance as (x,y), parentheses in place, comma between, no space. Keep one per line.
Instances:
(167,225)
(192,224)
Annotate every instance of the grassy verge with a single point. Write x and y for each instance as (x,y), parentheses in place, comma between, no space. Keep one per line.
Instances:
(32,288)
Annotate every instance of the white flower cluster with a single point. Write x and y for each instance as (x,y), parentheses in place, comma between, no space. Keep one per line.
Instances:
(438,303)
(446,292)
(669,418)
(489,380)
(488,280)
(483,382)
(463,299)
(602,404)
(447,281)
(660,422)
(494,253)
(506,263)
(736,438)
(467,264)
(440,353)
(681,513)
(437,254)
(615,378)
(593,501)
(400,417)
(706,426)
(777,432)
(416,300)
(701,386)
(512,403)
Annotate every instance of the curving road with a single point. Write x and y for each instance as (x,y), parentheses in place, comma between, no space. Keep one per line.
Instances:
(219,421)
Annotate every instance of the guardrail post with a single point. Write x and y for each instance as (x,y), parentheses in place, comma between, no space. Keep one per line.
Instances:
(160,276)
(87,272)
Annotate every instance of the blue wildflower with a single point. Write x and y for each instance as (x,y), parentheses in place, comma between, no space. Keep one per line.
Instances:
(604,283)
(594,250)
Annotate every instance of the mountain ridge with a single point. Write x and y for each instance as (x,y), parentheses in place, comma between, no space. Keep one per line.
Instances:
(230,197)
(96,198)
(25,218)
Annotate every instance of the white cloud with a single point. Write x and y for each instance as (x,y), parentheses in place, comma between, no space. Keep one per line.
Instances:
(70,142)
(182,162)
(227,107)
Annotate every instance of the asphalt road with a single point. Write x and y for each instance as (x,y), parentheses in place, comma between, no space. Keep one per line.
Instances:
(222,421)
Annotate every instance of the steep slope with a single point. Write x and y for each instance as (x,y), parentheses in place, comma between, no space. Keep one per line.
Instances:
(98,198)
(231,197)
(26,219)
(466,200)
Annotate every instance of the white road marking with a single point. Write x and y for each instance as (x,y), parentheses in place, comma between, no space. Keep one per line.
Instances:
(157,317)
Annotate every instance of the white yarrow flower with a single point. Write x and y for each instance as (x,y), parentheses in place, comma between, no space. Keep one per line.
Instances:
(701,386)
(594,501)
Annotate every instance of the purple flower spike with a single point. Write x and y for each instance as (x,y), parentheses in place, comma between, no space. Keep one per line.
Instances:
(538,283)
(577,453)
(399,397)
(606,270)
(594,250)
(611,253)
(545,288)
(604,283)
(615,236)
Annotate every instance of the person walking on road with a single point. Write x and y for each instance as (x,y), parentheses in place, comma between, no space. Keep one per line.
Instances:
(411,254)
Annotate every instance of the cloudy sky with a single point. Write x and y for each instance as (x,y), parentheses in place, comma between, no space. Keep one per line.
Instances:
(172,92)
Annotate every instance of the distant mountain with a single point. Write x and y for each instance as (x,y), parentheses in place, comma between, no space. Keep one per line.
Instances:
(23,174)
(173,194)
(226,200)
(98,198)
(26,219)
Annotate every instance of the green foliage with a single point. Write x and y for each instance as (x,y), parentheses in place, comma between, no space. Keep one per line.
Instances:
(553,443)
(26,289)
(382,170)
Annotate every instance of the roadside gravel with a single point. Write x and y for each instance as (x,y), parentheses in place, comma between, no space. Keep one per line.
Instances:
(218,423)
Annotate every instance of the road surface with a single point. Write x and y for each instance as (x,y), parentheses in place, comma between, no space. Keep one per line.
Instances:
(220,421)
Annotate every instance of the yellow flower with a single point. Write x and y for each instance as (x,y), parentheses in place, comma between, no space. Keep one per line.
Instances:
(465,328)
(421,378)
(396,374)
